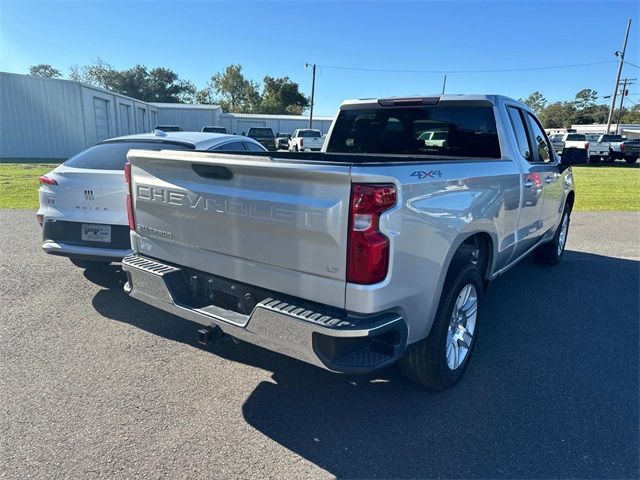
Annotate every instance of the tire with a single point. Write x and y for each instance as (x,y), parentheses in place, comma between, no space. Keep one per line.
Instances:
(631,160)
(550,253)
(594,159)
(89,264)
(426,362)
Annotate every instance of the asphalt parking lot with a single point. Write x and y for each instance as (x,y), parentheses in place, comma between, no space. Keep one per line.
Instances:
(94,384)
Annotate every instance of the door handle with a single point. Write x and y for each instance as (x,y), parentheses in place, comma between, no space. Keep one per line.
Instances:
(528,183)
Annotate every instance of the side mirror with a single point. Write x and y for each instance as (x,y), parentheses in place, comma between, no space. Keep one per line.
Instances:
(574,156)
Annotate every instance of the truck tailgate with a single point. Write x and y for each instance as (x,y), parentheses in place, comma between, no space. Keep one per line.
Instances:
(276,225)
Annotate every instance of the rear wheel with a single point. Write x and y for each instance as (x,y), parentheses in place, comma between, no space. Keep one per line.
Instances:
(439,361)
(89,264)
(631,160)
(550,253)
(594,159)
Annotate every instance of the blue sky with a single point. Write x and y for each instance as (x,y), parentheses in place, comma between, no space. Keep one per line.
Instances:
(197,39)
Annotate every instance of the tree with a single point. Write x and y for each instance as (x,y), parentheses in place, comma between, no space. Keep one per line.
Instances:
(535,102)
(74,73)
(630,115)
(236,93)
(585,98)
(156,85)
(44,70)
(557,115)
(203,97)
(281,95)
(98,74)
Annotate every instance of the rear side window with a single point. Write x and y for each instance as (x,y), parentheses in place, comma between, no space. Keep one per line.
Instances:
(252,147)
(519,128)
(443,130)
(113,155)
(230,147)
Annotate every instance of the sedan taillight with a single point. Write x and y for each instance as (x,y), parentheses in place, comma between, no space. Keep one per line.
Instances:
(127,177)
(44,180)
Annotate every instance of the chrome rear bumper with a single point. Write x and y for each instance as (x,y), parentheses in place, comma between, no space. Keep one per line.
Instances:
(309,332)
(87,253)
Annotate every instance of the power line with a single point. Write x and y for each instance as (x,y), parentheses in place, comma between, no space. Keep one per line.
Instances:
(632,64)
(499,70)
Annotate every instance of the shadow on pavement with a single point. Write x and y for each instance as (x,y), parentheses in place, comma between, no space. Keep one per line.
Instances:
(552,390)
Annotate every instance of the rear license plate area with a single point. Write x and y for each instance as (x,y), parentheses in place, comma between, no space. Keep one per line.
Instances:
(92,232)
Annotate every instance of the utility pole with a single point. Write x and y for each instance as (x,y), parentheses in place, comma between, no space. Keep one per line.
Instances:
(615,88)
(313,91)
(444,84)
(626,82)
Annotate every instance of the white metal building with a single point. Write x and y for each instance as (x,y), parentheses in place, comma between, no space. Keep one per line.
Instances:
(190,117)
(628,129)
(53,118)
(240,123)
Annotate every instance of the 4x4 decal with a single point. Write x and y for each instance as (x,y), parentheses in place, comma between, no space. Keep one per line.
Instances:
(422,174)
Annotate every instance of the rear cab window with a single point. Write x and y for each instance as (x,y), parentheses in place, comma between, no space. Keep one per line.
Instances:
(309,134)
(113,155)
(260,133)
(447,129)
(579,137)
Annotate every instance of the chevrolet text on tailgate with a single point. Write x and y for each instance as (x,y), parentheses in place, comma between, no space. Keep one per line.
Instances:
(376,250)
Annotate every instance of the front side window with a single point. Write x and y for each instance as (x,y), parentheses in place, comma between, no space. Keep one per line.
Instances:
(519,128)
(540,140)
(443,130)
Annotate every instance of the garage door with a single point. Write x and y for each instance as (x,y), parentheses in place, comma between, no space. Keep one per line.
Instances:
(125,120)
(101,113)
(141,119)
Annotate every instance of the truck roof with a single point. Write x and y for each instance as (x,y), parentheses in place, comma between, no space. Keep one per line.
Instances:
(492,98)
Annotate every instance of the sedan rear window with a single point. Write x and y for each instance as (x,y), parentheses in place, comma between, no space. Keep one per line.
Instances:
(443,130)
(113,155)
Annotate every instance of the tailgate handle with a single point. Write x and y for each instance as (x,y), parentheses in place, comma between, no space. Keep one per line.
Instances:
(212,171)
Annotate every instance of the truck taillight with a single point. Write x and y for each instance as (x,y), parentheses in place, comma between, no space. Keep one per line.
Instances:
(586,146)
(47,180)
(127,177)
(302,142)
(368,248)
(622,147)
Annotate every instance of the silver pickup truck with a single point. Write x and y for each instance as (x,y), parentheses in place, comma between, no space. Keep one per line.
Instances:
(376,250)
